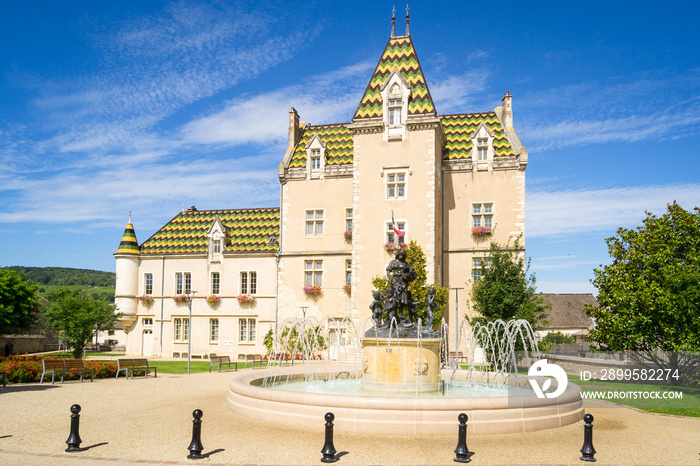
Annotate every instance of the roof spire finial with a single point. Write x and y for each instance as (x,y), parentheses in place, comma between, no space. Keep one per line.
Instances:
(393,21)
(407,20)
(129,212)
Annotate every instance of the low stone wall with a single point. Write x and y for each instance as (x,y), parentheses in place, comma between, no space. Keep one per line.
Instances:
(20,344)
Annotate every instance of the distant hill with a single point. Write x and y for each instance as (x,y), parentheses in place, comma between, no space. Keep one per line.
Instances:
(63,276)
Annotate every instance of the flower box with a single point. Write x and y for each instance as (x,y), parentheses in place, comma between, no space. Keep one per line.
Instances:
(181,298)
(348,234)
(391,246)
(347,288)
(245,298)
(146,299)
(481,231)
(312,290)
(214,299)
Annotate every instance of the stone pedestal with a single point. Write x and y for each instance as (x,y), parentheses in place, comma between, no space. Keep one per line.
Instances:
(401,365)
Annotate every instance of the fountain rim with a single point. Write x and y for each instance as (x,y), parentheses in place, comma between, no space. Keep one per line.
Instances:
(243,385)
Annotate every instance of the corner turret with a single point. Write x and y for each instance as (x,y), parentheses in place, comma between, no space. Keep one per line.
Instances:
(125,294)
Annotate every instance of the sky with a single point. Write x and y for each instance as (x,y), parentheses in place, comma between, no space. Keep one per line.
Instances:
(112,107)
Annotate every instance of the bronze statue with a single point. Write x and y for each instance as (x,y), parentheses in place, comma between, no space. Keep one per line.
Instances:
(400,274)
(377,308)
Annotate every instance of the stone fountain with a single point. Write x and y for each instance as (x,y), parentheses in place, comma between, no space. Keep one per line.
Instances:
(397,377)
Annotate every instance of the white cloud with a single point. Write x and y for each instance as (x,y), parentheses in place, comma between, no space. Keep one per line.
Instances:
(457,93)
(328,98)
(553,213)
(642,108)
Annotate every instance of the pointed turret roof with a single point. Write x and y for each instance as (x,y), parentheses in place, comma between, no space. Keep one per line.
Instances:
(398,54)
(129,244)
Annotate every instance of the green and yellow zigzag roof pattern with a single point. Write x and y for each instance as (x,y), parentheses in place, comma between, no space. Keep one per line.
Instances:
(399,53)
(128,244)
(247,230)
(338,141)
(460,128)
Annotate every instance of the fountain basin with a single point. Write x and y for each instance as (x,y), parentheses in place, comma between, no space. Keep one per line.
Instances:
(401,415)
(401,365)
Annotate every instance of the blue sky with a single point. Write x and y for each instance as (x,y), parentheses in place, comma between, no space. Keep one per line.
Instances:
(157,105)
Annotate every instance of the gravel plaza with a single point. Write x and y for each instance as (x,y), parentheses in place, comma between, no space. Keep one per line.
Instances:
(150,421)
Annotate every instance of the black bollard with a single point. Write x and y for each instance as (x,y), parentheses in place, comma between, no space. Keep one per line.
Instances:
(328,448)
(587,448)
(462,452)
(196,447)
(74,437)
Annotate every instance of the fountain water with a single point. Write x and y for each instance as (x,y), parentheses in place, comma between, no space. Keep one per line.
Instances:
(415,387)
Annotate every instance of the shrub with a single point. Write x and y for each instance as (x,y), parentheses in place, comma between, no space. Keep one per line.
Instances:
(28,369)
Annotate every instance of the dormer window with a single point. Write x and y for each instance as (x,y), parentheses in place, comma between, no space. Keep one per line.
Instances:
(217,236)
(395,108)
(315,159)
(395,96)
(482,148)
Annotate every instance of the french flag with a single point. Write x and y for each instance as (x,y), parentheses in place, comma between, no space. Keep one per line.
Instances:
(396,230)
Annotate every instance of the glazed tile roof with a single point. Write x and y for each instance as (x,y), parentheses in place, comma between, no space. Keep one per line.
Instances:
(128,244)
(460,128)
(247,230)
(399,53)
(338,141)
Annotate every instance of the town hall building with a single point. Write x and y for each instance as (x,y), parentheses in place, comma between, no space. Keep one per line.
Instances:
(350,193)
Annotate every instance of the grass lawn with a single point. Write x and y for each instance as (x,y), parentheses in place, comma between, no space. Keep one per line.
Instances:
(180,367)
(689,405)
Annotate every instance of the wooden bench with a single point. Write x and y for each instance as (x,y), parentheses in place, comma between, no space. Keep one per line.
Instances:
(220,361)
(458,357)
(253,358)
(135,364)
(63,367)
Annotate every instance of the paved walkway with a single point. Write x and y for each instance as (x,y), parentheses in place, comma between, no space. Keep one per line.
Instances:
(150,421)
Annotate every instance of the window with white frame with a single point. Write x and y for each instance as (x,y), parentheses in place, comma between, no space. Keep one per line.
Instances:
(313,273)
(348,272)
(182,329)
(315,159)
(396,185)
(147,322)
(395,107)
(183,283)
(482,149)
(216,246)
(314,222)
(348,219)
(215,283)
(249,282)
(247,330)
(479,266)
(391,236)
(482,215)
(148,284)
(213,330)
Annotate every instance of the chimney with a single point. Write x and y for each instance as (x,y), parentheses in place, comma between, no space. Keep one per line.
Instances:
(294,132)
(507,110)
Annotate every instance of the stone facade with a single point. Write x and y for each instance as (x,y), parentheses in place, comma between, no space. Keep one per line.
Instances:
(453,183)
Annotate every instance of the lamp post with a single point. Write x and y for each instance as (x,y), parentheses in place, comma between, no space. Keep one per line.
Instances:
(189,330)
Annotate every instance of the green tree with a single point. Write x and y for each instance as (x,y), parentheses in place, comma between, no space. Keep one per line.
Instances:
(18,301)
(415,257)
(505,290)
(649,296)
(76,315)
(554,338)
